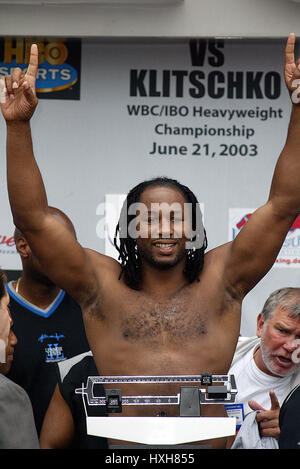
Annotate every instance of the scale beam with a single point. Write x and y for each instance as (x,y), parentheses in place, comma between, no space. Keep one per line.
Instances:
(220,394)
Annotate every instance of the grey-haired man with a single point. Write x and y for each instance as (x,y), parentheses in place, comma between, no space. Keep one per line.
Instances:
(266,367)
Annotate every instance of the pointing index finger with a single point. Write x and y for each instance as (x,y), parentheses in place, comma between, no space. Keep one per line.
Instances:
(33,64)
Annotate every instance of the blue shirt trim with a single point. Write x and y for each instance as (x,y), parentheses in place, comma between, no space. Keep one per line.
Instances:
(31,307)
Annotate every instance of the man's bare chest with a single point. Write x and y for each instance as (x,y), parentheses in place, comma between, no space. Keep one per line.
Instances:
(142,317)
(176,319)
(179,333)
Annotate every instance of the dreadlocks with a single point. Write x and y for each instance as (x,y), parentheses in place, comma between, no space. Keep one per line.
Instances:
(127,248)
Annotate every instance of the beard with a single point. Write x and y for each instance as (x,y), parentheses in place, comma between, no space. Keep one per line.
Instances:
(161,264)
(267,356)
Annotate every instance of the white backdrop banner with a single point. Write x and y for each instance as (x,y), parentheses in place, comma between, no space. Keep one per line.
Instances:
(212,114)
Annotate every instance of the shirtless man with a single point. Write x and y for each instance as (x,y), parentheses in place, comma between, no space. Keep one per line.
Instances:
(164,324)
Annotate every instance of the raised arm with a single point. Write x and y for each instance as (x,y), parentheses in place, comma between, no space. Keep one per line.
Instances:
(256,247)
(61,256)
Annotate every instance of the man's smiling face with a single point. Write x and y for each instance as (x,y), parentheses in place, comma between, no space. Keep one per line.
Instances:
(162,240)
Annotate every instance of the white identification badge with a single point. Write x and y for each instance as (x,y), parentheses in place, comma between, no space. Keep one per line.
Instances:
(237,411)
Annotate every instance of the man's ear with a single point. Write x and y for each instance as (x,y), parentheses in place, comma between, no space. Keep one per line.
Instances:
(23,247)
(259,325)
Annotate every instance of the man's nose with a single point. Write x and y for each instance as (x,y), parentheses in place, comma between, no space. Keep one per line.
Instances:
(165,227)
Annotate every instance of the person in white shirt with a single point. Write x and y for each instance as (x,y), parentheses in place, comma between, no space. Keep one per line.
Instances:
(266,367)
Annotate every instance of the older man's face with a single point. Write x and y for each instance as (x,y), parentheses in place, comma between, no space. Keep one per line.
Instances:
(280,343)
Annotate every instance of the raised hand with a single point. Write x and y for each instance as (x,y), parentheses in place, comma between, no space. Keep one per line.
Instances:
(267,420)
(292,69)
(17,91)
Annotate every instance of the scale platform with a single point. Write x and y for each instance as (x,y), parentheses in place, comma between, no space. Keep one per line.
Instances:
(161,430)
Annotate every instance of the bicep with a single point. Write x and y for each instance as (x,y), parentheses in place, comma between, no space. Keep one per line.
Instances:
(58,425)
(254,250)
(61,257)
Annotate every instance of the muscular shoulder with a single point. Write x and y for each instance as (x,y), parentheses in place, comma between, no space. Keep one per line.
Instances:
(216,259)
(215,269)
(106,271)
(101,262)
(92,281)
